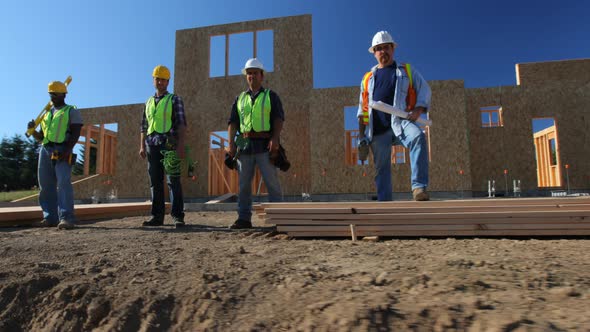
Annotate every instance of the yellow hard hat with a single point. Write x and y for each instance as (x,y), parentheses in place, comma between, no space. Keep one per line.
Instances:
(161,72)
(57,86)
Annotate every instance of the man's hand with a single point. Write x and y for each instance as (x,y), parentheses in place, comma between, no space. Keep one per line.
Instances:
(31,124)
(142,153)
(232,149)
(273,145)
(415,114)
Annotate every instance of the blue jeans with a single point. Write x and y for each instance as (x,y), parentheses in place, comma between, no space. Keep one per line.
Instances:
(411,138)
(246,168)
(56,195)
(156,172)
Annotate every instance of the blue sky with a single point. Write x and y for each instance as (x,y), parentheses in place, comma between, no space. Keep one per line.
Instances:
(110,47)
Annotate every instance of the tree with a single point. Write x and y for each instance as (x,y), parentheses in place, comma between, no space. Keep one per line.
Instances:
(18,162)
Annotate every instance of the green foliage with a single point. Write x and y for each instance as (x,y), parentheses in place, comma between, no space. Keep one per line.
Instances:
(18,163)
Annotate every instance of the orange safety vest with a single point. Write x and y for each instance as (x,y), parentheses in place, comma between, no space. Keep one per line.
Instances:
(410,98)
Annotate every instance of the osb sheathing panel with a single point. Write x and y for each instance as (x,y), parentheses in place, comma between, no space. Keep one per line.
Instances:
(130,179)
(327,148)
(449,140)
(450,150)
(511,147)
(208,100)
(540,73)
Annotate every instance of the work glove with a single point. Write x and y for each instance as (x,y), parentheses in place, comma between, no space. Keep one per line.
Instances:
(363,149)
(31,124)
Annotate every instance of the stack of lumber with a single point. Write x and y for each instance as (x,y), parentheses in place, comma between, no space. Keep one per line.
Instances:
(15,216)
(474,217)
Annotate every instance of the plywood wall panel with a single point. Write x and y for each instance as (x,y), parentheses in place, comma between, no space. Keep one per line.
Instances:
(209,100)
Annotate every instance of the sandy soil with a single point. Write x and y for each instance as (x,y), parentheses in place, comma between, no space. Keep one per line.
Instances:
(116,276)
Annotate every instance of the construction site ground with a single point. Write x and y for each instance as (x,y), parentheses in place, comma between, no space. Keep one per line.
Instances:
(114,275)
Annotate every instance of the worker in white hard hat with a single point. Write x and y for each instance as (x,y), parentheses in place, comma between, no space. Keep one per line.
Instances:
(163,129)
(60,130)
(402,86)
(257,114)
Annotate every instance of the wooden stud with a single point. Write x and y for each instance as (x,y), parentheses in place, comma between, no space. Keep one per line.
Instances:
(352,233)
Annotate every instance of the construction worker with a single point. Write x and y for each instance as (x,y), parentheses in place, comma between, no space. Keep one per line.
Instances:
(403,87)
(60,130)
(258,115)
(163,129)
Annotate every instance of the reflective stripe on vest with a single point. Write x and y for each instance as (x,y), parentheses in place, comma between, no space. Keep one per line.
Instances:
(159,117)
(366,79)
(55,125)
(254,117)
(410,98)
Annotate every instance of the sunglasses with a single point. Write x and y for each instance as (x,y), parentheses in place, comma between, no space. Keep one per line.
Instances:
(383,47)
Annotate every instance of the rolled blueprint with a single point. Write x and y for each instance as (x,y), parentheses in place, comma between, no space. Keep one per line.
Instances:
(383,107)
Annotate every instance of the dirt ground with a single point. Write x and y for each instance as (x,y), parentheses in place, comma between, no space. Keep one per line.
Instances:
(117,276)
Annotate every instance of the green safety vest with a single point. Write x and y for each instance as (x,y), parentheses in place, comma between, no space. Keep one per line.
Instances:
(55,125)
(254,117)
(159,117)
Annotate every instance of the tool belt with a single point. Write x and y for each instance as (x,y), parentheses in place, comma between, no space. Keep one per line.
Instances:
(254,134)
(52,144)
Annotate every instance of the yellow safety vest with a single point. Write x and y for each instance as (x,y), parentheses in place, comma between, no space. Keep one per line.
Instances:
(55,125)
(410,98)
(159,117)
(254,117)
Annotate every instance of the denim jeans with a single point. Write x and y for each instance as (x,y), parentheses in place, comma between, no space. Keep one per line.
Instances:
(411,138)
(246,167)
(156,172)
(56,195)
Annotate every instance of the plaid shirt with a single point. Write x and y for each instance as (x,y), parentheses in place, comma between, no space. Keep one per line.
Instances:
(178,120)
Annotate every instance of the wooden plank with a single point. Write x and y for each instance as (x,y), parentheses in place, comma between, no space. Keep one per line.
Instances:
(434,203)
(426,209)
(420,228)
(221,198)
(87,150)
(100,151)
(25,215)
(565,219)
(424,216)
(535,232)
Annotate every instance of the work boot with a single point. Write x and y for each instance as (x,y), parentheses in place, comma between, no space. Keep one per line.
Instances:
(65,224)
(420,194)
(154,221)
(178,222)
(241,224)
(43,223)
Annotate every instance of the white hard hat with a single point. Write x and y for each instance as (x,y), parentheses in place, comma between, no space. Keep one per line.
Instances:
(252,63)
(381,37)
